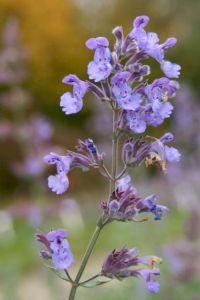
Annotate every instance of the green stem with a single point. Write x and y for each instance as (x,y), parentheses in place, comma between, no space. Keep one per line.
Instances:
(85,260)
(114,151)
(68,275)
(99,226)
(90,279)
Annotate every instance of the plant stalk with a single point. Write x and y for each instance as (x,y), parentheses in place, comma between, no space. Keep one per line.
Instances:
(85,260)
(114,151)
(99,223)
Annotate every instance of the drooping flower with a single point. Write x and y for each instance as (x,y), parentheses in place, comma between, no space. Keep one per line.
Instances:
(153,285)
(58,248)
(100,68)
(72,103)
(59,183)
(157,210)
(125,96)
(122,263)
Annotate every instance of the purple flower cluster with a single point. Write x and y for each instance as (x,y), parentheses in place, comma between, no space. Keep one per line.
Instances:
(59,183)
(149,43)
(119,71)
(118,77)
(120,262)
(125,204)
(153,152)
(139,106)
(57,248)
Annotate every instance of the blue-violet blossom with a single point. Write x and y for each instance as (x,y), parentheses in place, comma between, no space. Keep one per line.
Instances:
(100,68)
(58,248)
(122,263)
(73,103)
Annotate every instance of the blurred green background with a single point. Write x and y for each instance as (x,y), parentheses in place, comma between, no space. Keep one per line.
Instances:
(41,42)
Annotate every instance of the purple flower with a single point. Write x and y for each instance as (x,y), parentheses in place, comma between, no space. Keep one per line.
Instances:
(52,235)
(160,153)
(72,103)
(153,286)
(138,71)
(125,204)
(58,248)
(124,183)
(100,68)
(149,41)
(59,183)
(155,109)
(94,43)
(170,69)
(90,149)
(172,154)
(62,257)
(138,31)
(156,112)
(63,162)
(119,36)
(149,44)
(135,151)
(120,262)
(125,96)
(161,89)
(157,210)
(157,93)
(167,137)
(136,121)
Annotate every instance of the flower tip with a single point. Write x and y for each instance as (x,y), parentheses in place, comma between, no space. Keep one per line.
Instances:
(94,43)
(58,233)
(141,21)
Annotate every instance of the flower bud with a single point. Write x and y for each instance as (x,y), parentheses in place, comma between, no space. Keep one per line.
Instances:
(113,207)
(167,137)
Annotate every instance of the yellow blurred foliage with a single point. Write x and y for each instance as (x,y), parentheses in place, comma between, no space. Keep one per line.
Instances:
(51,34)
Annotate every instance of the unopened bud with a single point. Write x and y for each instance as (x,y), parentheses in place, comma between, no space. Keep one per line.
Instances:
(113,207)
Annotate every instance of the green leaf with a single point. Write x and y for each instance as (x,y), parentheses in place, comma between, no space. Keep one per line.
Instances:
(59,274)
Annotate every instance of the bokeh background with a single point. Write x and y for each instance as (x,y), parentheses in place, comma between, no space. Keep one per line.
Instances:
(40,43)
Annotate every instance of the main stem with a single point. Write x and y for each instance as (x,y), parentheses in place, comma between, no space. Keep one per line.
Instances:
(85,260)
(114,151)
(99,223)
